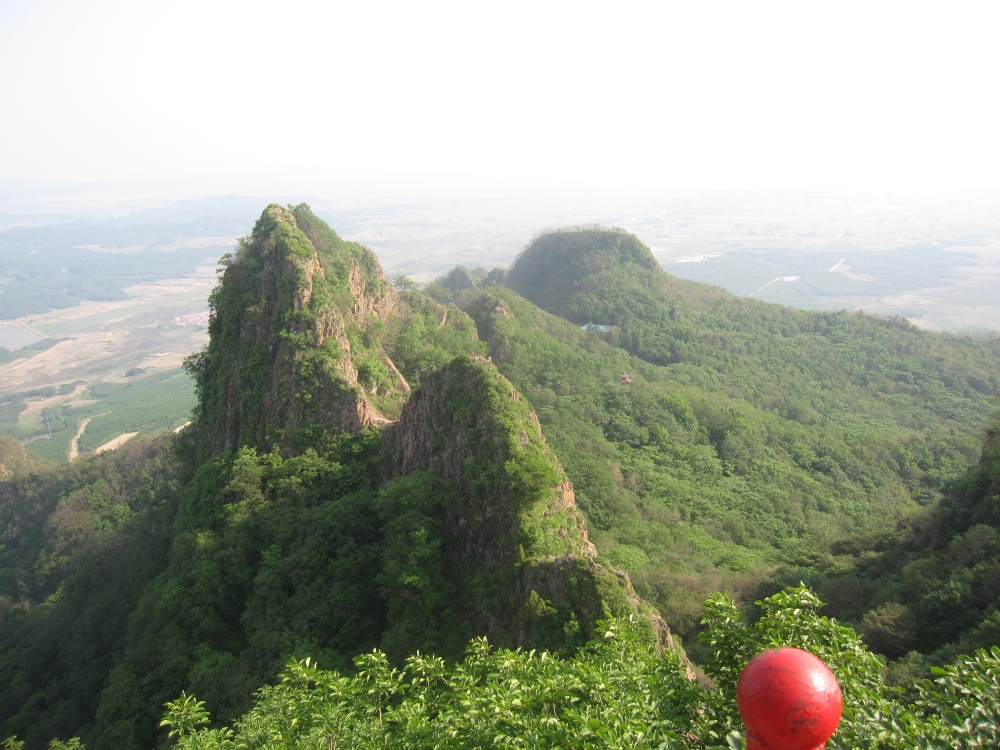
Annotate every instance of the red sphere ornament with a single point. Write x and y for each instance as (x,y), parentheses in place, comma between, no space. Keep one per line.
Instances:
(789,700)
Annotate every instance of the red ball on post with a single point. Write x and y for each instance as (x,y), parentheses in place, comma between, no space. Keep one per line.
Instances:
(789,700)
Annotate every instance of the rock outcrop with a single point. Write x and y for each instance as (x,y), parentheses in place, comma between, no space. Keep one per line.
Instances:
(288,334)
(468,424)
(518,521)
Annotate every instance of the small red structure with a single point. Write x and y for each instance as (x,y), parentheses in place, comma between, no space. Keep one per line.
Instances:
(625,378)
(789,700)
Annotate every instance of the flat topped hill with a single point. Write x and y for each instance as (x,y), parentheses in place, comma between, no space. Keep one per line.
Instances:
(800,363)
(584,271)
(558,264)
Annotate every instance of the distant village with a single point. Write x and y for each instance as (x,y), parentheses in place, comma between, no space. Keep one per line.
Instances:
(192,319)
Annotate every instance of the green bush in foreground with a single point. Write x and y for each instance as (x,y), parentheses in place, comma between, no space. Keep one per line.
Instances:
(617,692)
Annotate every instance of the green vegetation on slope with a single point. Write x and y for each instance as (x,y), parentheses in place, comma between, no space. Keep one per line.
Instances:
(927,589)
(616,692)
(752,436)
(513,535)
(14,459)
(79,544)
(428,334)
(711,490)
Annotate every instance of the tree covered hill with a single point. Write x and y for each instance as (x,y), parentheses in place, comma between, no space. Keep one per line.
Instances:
(806,366)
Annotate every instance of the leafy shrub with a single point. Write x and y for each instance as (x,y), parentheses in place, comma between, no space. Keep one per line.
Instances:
(616,692)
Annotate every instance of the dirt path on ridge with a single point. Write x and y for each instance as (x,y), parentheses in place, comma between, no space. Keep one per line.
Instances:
(74,446)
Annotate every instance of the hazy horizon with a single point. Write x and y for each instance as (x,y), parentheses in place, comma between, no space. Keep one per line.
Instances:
(836,156)
(931,260)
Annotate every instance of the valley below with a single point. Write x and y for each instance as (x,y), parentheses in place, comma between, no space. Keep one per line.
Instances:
(135,345)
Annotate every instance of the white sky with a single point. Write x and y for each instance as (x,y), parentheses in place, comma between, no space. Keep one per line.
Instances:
(252,96)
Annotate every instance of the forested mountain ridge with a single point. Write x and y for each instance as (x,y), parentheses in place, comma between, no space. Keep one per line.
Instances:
(373,468)
(283,522)
(778,438)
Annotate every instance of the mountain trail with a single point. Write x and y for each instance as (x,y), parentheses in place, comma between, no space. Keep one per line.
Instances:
(74,446)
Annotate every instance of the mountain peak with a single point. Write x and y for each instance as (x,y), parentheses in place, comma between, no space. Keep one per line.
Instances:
(297,316)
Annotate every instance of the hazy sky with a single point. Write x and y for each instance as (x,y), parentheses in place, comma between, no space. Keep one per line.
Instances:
(248,96)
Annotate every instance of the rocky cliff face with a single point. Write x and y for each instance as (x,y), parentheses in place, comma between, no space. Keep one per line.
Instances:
(296,312)
(468,424)
(518,521)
